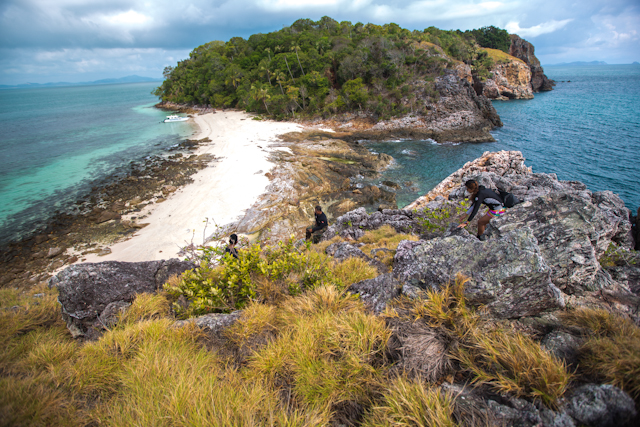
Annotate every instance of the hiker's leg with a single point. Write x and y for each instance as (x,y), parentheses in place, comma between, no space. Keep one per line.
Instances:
(318,235)
(482,223)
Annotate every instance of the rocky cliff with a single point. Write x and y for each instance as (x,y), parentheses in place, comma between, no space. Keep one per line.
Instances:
(511,79)
(524,50)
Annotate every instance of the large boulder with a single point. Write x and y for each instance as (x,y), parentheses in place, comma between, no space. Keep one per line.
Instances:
(87,290)
(571,232)
(601,405)
(508,275)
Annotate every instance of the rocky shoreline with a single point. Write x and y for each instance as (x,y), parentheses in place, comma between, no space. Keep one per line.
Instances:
(110,212)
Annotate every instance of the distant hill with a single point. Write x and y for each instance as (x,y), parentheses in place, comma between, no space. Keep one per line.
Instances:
(577,64)
(128,79)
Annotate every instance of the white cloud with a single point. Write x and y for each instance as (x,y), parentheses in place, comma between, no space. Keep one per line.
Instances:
(536,30)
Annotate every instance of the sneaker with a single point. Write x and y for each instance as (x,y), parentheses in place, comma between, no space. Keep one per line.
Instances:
(482,238)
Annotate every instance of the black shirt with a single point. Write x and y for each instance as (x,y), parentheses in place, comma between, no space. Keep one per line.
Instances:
(486,196)
(321,222)
(232,251)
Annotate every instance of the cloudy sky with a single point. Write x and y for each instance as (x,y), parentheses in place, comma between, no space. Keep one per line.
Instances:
(83,40)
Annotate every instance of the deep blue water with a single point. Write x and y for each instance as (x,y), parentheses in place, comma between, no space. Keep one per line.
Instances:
(55,142)
(585,130)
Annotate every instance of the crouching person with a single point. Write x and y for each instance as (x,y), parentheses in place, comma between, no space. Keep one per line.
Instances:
(314,232)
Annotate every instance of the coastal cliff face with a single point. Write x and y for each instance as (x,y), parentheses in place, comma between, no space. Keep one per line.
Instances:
(524,50)
(511,80)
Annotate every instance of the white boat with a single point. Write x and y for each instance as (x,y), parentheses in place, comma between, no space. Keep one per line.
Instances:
(173,118)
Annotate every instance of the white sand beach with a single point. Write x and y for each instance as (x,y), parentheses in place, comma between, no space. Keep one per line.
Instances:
(220,192)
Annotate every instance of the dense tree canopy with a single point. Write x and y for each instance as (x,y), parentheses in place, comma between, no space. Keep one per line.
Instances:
(323,67)
(492,37)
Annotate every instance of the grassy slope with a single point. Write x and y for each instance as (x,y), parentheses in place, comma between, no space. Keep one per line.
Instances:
(311,357)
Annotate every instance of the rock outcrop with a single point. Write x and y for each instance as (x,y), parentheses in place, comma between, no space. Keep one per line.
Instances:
(543,253)
(524,50)
(511,80)
(91,294)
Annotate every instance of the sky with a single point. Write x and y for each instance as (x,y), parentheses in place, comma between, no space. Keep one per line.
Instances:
(84,40)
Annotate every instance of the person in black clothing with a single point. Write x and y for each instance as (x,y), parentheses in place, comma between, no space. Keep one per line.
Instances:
(314,232)
(231,248)
(480,194)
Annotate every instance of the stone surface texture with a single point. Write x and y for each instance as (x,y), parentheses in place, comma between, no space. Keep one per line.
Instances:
(525,51)
(86,290)
(511,80)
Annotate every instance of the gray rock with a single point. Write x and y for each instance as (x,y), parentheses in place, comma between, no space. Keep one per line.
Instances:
(571,232)
(508,276)
(54,252)
(85,290)
(519,412)
(212,323)
(601,405)
(563,345)
(109,316)
(375,293)
(343,250)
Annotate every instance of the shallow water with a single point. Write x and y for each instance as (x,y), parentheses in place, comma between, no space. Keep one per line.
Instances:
(56,142)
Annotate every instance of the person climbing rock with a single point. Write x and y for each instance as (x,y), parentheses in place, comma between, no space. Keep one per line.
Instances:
(315,231)
(231,247)
(480,194)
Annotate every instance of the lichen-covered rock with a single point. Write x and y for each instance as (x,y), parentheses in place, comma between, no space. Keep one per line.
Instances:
(343,250)
(508,275)
(601,405)
(376,293)
(519,412)
(563,345)
(85,290)
(572,234)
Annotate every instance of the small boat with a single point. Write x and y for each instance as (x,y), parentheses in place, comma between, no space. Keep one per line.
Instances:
(173,118)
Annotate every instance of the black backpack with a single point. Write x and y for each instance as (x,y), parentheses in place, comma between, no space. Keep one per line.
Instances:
(509,199)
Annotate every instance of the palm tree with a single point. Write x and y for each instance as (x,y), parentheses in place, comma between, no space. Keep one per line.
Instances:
(264,68)
(286,62)
(280,77)
(268,50)
(296,48)
(259,92)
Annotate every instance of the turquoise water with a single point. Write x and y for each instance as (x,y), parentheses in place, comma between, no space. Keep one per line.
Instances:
(586,130)
(56,142)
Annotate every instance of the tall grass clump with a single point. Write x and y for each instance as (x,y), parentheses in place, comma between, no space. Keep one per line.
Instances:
(36,347)
(329,351)
(412,403)
(611,351)
(506,360)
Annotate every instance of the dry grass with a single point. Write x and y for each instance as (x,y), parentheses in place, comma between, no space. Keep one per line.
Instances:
(513,363)
(506,360)
(384,237)
(612,349)
(325,351)
(350,271)
(412,403)
(501,57)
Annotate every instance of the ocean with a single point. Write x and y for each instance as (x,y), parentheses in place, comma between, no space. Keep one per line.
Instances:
(586,129)
(58,142)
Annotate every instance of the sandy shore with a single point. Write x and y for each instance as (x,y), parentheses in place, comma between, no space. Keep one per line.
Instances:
(221,192)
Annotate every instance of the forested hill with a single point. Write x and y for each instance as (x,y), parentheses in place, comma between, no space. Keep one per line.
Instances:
(326,67)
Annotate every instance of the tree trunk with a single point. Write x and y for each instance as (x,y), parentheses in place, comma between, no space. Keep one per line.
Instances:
(286,62)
